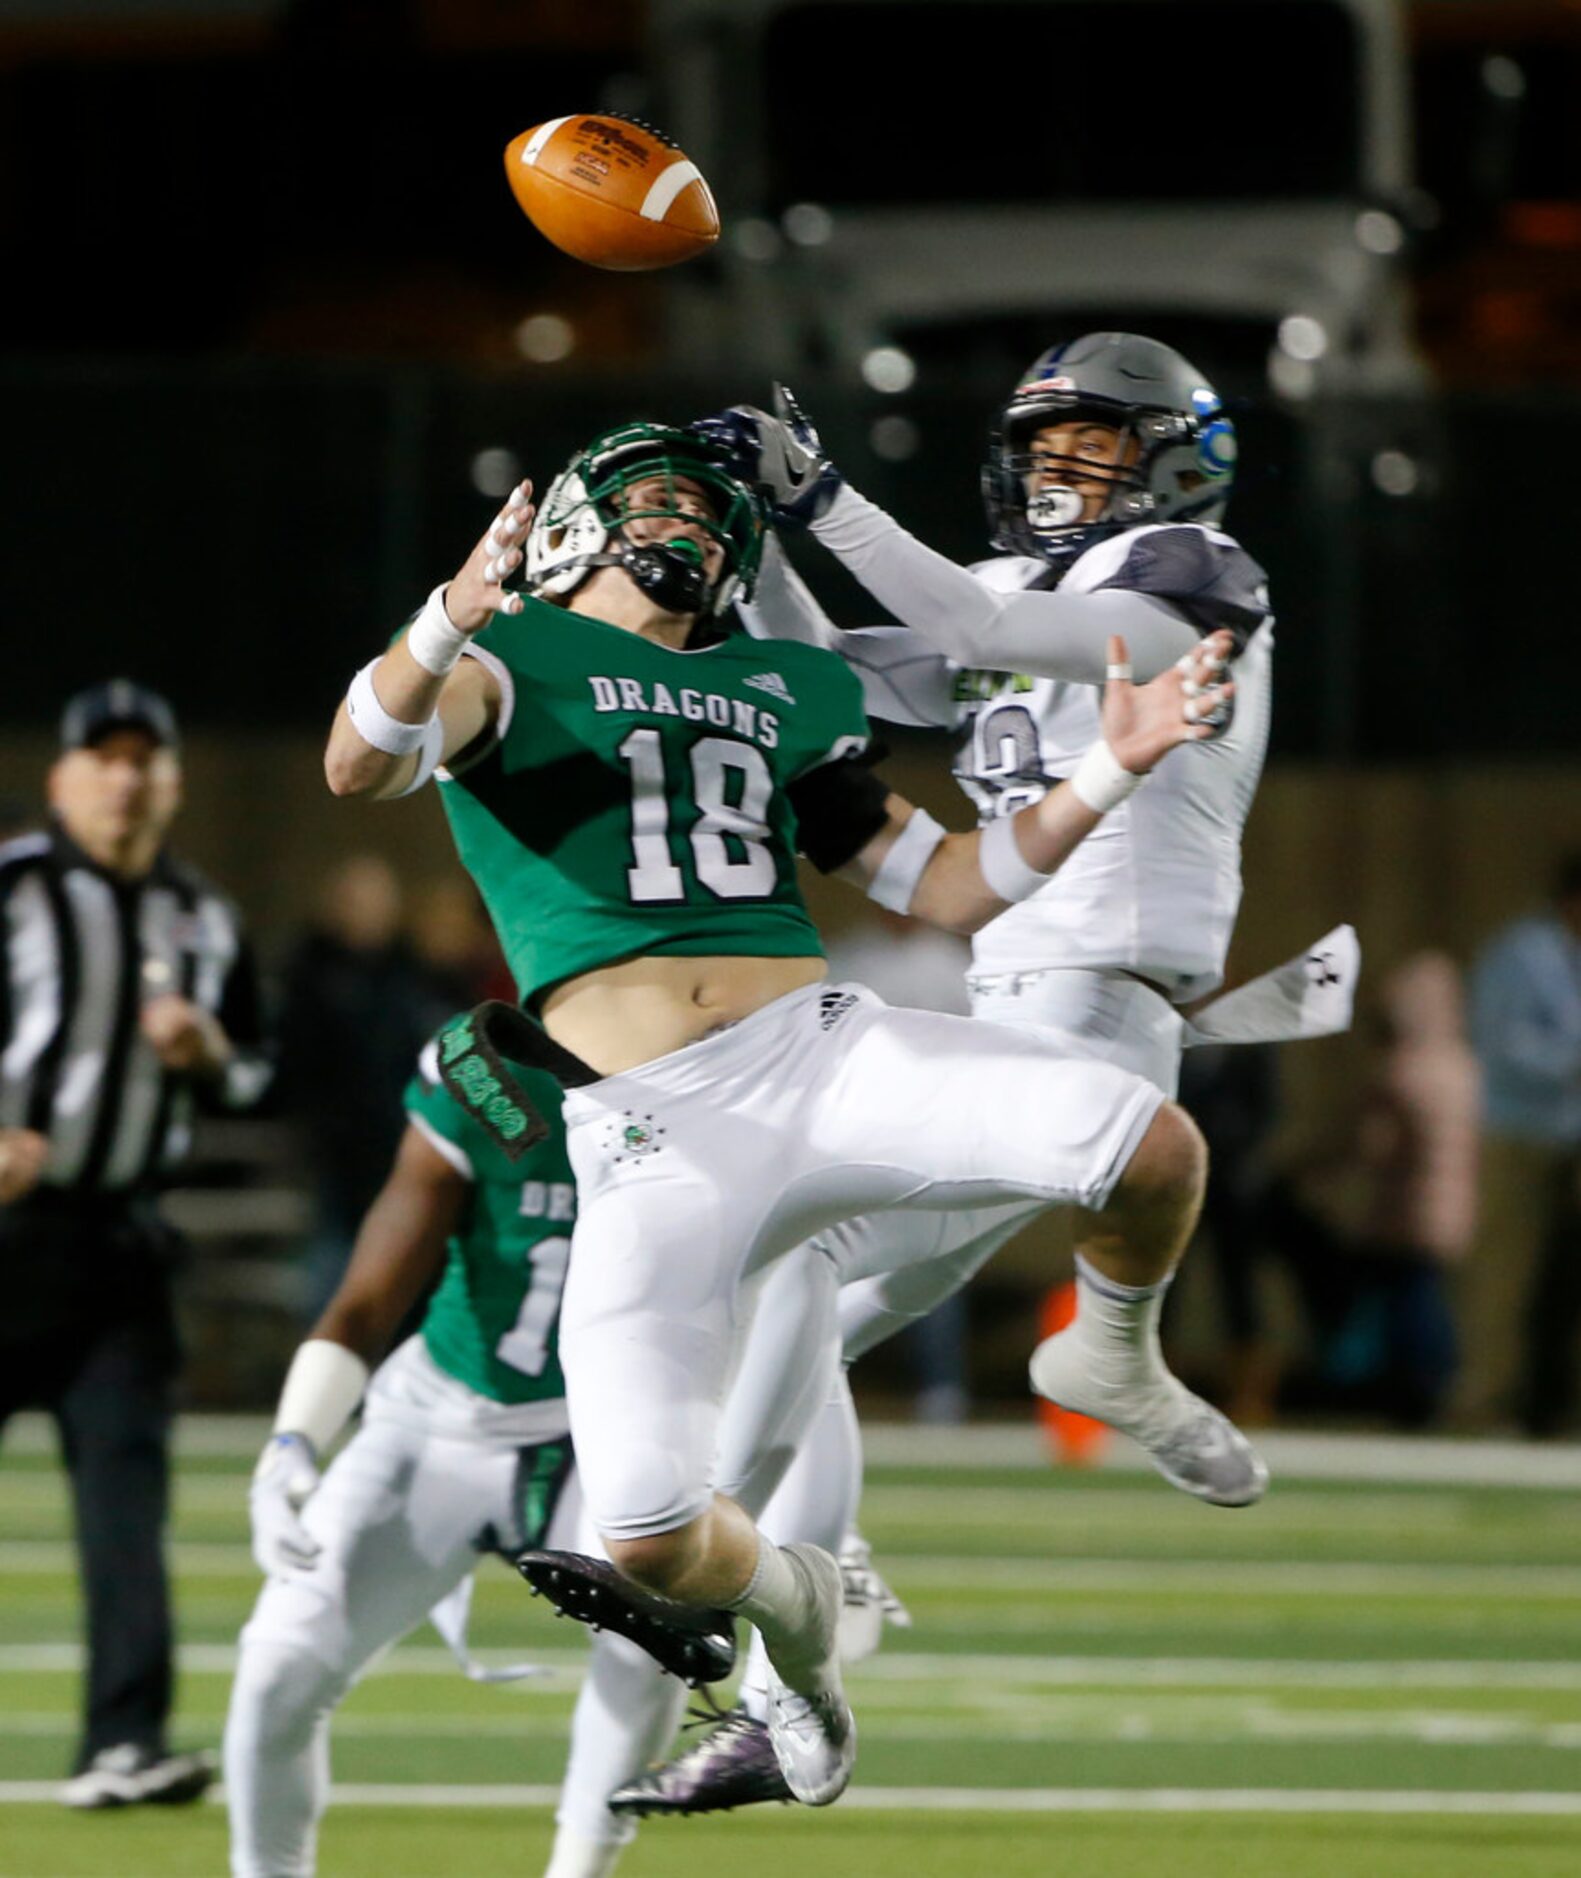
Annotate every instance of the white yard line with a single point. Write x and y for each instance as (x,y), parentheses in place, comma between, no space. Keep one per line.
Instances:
(1409,1460)
(984,1799)
(918,1666)
(1273,1577)
(1037,1504)
(931,1571)
(1406,1460)
(1091,1721)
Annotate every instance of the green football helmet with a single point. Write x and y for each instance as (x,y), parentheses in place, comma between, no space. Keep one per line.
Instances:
(580,524)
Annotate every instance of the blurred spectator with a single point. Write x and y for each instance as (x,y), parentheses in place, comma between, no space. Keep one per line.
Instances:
(127,996)
(359,1005)
(1232,1093)
(1521,1301)
(1371,1266)
(455,940)
(908,963)
(1418,1144)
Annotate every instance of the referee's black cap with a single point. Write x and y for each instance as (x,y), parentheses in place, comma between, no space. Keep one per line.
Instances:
(117,704)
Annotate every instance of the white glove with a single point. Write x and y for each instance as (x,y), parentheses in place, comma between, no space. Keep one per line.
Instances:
(285,1479)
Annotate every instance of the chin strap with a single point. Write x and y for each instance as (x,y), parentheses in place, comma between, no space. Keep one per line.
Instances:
(670,573)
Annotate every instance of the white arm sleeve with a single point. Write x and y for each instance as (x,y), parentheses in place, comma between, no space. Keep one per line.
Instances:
(905,680)
(1046,635)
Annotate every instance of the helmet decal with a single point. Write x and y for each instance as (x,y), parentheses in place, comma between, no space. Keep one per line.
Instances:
(1217,448)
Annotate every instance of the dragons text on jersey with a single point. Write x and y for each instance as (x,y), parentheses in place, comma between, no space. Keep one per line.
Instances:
(697,707)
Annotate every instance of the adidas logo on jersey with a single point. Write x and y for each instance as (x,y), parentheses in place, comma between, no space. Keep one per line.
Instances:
(773,684)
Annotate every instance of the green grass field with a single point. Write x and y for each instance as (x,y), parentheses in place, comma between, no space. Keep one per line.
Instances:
(1357,1677)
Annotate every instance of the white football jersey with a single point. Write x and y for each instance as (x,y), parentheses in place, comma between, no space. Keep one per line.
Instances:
(1155,888)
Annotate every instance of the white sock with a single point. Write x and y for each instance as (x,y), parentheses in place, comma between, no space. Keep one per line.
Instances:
(576,1857)
(753,1695)
(781,1600)
(1108,1362)
(1120,1322)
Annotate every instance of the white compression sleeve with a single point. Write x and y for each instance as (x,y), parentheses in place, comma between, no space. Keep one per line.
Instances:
(1047,635)
(323,1385)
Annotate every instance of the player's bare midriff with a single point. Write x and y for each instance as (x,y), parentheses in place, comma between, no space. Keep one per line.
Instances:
(627,1014)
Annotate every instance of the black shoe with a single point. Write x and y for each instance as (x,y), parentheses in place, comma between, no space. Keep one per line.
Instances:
(129,1775)
(689,1641)
(732,1765)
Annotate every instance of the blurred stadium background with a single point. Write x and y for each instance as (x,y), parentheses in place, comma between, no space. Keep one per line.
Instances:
(276,339)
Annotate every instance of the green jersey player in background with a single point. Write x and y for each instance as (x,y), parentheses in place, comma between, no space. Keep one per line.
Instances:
(463,1450)
(629,785)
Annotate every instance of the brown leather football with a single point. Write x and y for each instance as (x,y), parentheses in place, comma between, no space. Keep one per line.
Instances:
(612,191)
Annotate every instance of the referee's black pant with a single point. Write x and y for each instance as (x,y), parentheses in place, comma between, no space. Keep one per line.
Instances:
(89,1337)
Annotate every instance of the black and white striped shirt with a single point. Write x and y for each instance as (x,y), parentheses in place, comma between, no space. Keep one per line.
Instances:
(80,952)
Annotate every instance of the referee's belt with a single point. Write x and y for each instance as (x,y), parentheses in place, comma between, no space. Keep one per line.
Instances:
(475,1057)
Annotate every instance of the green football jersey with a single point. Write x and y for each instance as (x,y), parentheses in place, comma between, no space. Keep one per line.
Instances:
(636,801)
(493,1321)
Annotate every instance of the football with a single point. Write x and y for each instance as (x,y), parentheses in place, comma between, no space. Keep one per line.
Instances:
(612,191)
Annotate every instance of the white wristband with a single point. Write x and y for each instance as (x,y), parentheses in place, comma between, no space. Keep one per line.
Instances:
(1102,781)
(1002,864)
(432,639)
(323,1385)
(910,852)
(429,757)
(374,725)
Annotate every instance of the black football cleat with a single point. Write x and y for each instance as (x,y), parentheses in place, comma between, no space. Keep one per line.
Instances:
(686,1640)
(732,1765)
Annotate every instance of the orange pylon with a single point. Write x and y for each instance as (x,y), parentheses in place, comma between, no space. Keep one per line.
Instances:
(1074,1440)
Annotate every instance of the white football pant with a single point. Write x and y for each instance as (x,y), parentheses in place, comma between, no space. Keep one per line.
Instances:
(1104,1017)
(403,1515)
(698,1170)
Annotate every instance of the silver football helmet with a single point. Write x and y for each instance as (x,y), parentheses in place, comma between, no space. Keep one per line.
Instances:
(1184,466)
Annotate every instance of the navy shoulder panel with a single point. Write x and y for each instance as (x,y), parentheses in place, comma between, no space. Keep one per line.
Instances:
(1215,583)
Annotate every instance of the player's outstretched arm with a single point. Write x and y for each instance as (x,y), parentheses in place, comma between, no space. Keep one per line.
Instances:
(421,703)
(399,1250)
(904,681)
(962,881)
(1044,634)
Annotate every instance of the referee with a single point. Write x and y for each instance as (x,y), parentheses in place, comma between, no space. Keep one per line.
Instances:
(127,996)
